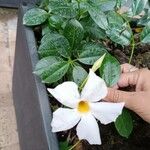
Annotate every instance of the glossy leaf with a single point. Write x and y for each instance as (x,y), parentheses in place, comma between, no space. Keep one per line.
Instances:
(120,36)
(103,5)
(54,44)
(145,35)
(51,69)
(90,53)
(93,30)
(120,3)
(145,20)
(110,70)
(35,16)
(62,8)
(46,29)
(99,17)
(44,3)
(118,30)
(83,9)
(124,123)
(107,5)
(74,32)
(79,75)
(114,19)
(55,21)
(64,145)
(138,6)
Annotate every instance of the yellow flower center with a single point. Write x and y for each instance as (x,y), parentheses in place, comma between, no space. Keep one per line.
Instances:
(83,107)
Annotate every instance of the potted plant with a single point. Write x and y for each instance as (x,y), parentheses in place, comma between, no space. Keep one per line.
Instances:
(70,38)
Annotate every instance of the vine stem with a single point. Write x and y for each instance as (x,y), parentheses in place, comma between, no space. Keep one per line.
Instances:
(132,50)
(74,145)
(79,9)
(83,83)
(132,39)
(132,43)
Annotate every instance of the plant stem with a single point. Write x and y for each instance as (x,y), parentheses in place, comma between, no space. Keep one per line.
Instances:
(79,8)
(70,61)
(132,50)
(132,39)
(83,83)
(74,145)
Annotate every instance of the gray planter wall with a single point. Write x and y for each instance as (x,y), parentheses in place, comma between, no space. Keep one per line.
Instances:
(30,98)
(9,3)
(16,3)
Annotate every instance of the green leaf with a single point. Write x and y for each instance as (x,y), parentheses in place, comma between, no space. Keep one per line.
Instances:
(94,31)
(145,35)
(68,76)
(110,70)
(35,16)
(107,5)
(54,44)
(145,20)
(138,6)
(99,17)
(103,5)
(51,69)
(64,145)
(120,36)
(46,29)
(83,11)
(114,19)
(124,124)
(44,3)
(62,8)
(90,53)
(74,32)
(79,74)
(120,3)
(56,21)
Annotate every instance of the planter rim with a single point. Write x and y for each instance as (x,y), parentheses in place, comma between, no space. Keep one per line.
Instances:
(16,3)
(39,91)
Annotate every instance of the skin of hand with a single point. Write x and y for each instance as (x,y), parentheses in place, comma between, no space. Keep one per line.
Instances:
(138,101)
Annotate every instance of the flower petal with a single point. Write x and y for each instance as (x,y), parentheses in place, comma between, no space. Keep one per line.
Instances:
(95,89)
(88,129)
(64,119)
(106,112)
(66,93)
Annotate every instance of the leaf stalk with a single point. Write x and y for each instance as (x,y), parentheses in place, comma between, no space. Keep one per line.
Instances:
(74,145)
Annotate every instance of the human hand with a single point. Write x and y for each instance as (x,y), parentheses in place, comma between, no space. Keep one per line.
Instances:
(138,101)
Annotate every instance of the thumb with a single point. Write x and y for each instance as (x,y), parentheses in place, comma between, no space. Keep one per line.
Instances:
(130,98)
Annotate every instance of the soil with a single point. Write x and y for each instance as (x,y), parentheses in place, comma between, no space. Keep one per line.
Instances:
(111,140)
(141,57)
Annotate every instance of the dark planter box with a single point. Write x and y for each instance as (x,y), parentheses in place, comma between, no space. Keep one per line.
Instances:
(16,3)
(10,3)
(30,97)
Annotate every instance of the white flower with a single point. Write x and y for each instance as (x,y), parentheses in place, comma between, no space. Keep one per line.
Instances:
(84,108)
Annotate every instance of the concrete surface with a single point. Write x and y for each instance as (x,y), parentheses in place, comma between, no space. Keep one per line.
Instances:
(8,128)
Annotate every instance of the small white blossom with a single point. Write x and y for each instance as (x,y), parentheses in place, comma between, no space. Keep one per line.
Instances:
(84,108)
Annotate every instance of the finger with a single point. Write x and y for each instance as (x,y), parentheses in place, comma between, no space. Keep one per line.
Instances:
(130,98)
(127,68)
(115,86)
(130,78)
